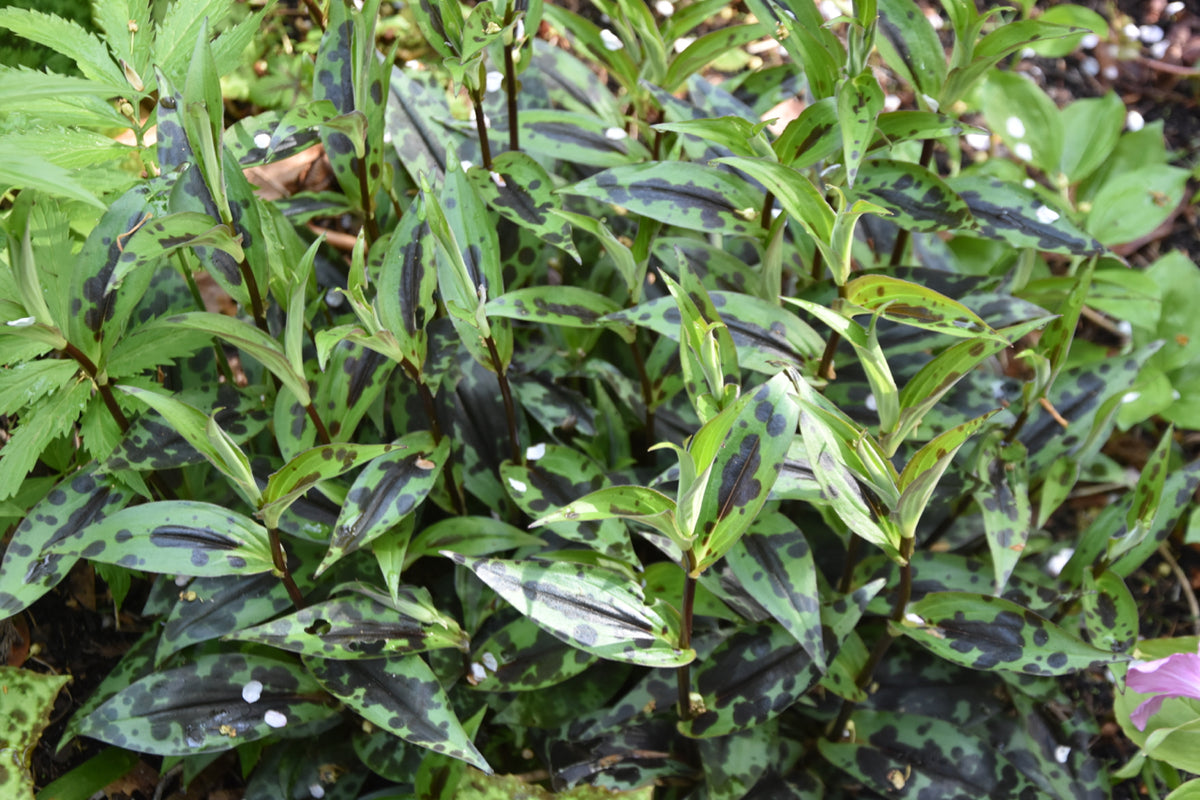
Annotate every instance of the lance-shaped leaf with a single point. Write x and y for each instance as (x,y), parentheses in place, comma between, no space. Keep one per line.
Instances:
(795,192)
(745,469)
(1147,495)
(760,671)
(408,280)
(1003,497)
(912,304)
(522,657)
(385,492)
(354,626)
(1110,614)
(520,190)
(923,471)
(692,196)
(304,471)
(181,537)
(908,755)
(69,509)
(706,351)
(26,702)
(859,101)
(918,199)
(910,45)
(637,503)
(468,536)
(591,608)
(925,389)
(985,632)
(775,564)
(208,704)
(401,695)
(210,608)
(566,306)
(555,478)
(247,338)
(1011,213)
(158,238)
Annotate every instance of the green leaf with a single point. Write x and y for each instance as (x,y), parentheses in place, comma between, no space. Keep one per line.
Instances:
(795,192)
(692,196)
(579,138)
(909,755)
(24,170)
(591,608)
(859,101)
(637,503)
(468,536)
(923,471)
(521,657)
(310,467)
(740,135)
(1103,118)
(385,492)
(245,337)
(918,199)
(90,777)
(1010,213)
(68,509)
(408,281)
(1147,496)
(989,633)
(520,190)
(1132,204)
(204,704)
(26,702)
(402,696)
(705,49)
(1003,497)
(1110,614)
(1025,118)
(355,626)
(800,28)
(745,469)
(52,417)
(910,45)
(774,562)
(913,304)
(567,306)
(181,537)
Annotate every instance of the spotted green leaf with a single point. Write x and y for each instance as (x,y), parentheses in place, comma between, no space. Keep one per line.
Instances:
(912,304)
(1147,496)
(209,608)
(1110,613)
(762,332)
(591,608)
(911,46)
(385,492)
(688,195)
(310,467)
(813,136)
(520,190)
(1011,213)
(859,101)
(567,306)
(182,537)
(522,657)
(70,508)
(416,108)
(354,626)
(638,503)
(923,471)
(468,536)
(26,702)
(208,704)
(909,755)
(760,671)
(244,336)
(795,192)
(745,469)
(774,562)
(554,479)
(407,282)
(740,136)
(990,633)
(918,199)
(579,138)
(1003,497)
(401,695)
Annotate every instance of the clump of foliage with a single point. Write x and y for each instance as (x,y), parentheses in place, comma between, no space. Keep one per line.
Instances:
(630,444)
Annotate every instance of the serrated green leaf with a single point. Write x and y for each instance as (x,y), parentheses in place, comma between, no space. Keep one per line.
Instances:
(591,608)
(53,416)
(990,633)
(401,695)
